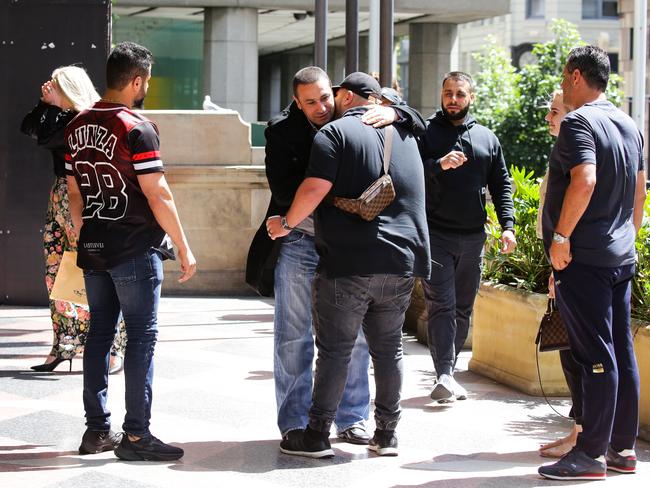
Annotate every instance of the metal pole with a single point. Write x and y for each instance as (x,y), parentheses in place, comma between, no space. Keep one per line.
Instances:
(386,43)
(639,62)
(320,44)
(373,36)
(351,36)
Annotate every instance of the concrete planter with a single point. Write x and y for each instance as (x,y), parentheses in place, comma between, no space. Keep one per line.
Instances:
(506,321)
(505,325)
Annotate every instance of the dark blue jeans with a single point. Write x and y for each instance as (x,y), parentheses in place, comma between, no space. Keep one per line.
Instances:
(450,293)
(595,305)
(134,288)
(341,307)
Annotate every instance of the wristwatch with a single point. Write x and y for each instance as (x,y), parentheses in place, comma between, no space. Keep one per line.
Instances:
(559,238)
(284,224)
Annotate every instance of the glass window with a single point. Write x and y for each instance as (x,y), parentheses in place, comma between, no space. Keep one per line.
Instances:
(599,9)
(535,9)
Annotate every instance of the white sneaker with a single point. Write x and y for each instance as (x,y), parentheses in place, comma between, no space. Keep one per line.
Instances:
(443,391)
(459,392)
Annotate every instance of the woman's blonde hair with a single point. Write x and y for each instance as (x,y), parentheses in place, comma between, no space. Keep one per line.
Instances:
(75,86)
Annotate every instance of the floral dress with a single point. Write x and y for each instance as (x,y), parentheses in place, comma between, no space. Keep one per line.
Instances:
(70,321)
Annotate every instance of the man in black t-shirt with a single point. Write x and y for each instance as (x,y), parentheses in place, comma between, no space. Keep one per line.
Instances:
(123,211)
(366,269)
(593,209)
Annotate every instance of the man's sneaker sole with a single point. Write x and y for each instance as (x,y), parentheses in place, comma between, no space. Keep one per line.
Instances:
(621,469)
(441,394)
(325,453)
(593,477)
(129,455)
(383,451)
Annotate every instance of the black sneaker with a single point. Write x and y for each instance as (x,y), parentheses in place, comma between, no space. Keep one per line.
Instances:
(147,449)
(94,441)
(384,443)
(621,462)
(308,443)
(576,465)
(355,435)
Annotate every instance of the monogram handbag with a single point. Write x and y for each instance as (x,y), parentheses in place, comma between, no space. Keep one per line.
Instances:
(552,334)
(69,283)
(378,195)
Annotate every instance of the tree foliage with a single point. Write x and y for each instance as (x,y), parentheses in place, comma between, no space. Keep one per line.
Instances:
(513,103)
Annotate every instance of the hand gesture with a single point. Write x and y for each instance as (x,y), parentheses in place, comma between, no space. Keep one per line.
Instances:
(453,160)
(50,94)
(508,242)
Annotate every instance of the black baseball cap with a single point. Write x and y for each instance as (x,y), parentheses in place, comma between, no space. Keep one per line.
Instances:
(360,83)
(391,95)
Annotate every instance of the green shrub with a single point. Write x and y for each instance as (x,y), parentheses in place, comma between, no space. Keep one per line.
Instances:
(527,267)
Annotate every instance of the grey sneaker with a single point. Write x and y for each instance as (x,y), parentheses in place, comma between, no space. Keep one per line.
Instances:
(356,434)
(443,391)
(621,462)
(576,465)
(459,392)
(384,443)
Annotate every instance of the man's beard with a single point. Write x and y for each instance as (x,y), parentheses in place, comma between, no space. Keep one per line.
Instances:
(139,101)
(460,115)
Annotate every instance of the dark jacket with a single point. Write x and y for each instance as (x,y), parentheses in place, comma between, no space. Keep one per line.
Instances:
(289,137)
(46,123)
(456,197)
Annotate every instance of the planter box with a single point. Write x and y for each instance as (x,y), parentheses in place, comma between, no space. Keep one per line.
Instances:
(505,323)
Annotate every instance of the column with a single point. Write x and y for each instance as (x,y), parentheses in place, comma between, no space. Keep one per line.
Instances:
(230,59)
(433,51)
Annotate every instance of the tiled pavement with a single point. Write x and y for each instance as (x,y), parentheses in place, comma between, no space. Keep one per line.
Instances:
(213,396)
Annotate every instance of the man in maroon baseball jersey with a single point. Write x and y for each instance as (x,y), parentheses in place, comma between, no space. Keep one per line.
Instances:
(124,213)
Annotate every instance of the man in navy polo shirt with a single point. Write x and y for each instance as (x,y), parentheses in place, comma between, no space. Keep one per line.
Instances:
(593,209)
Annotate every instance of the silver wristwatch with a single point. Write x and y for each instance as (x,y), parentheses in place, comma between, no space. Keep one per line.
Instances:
(284,224)
(559,238)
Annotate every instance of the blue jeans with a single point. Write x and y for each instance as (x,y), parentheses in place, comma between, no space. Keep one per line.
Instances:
(134,288)
(375,305)
(450,293)
(294,343)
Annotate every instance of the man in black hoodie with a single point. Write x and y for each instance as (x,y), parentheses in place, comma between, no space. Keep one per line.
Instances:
(461,158)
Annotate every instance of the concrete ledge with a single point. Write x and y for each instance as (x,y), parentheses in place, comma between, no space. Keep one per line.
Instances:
(642,349)
(505,325)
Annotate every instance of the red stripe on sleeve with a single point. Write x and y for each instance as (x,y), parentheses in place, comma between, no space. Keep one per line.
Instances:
(146,155)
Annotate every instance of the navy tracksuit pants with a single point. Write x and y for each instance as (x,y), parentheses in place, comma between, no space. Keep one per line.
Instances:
(595,305)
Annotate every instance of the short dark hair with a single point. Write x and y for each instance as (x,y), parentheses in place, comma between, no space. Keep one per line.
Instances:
(459,76)
(126,61)
(307,76)
(593,64)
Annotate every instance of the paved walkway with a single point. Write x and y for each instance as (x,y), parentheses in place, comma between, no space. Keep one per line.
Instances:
(213,396)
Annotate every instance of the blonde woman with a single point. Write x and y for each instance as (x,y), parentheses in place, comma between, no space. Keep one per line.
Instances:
(558,448)
(62,97)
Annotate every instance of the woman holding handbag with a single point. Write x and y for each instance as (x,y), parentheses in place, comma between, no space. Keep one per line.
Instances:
(62,98)
(558,448)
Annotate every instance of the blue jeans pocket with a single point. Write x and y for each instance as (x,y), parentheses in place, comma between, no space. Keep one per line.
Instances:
(293,237)
(124,273)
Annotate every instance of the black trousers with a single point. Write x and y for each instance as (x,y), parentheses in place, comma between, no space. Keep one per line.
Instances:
(595,306)
(573,375)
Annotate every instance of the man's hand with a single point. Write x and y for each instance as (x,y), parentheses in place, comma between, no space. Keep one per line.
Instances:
(188,264)
(274,227)
(379,116)
(560,255)
(508,242)
(453,160)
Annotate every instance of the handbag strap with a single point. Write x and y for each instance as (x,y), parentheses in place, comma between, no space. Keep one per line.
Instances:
(388,146)
(539,377)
